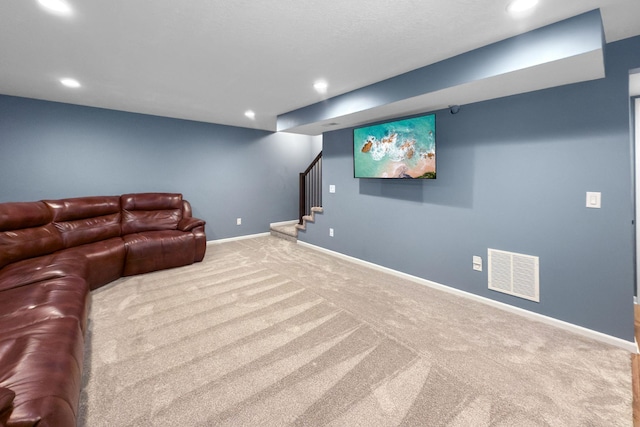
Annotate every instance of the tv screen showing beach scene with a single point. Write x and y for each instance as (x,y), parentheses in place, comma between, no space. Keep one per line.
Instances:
(399,149)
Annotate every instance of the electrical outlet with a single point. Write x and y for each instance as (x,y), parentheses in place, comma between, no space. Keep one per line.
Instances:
(331,232)
(332,188)
(238,221)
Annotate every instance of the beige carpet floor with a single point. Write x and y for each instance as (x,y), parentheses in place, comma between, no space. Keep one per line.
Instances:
(265,332)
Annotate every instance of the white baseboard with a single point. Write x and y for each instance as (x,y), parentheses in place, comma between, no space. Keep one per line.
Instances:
(630,346)
(291,222)
(232,239)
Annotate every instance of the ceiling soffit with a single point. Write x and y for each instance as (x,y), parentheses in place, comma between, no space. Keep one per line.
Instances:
(566,52)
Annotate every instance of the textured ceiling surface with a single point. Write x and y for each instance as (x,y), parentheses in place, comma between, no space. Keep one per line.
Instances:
(211,60)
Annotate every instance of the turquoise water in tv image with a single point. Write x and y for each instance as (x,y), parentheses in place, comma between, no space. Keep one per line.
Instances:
(400,149)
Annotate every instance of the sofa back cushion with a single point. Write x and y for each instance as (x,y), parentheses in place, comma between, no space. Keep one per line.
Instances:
(85,220)
(26,232)
(150,211)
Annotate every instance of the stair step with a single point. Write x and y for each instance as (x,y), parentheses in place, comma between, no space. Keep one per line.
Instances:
(309,218)
(287,232)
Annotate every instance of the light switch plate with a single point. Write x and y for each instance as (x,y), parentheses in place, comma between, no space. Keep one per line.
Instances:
(332,188)
(593,199)
(477,263)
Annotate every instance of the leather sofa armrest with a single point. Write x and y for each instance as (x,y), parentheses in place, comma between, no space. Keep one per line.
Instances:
(188,224)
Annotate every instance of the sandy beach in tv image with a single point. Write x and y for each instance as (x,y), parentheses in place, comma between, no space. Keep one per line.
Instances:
(400,149)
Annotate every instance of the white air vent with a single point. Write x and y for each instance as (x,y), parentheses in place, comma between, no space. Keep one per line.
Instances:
(514,274)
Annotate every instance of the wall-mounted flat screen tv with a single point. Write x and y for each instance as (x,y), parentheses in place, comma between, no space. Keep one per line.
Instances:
(399,149)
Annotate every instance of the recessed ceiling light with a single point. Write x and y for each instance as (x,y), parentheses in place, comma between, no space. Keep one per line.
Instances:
(70,82)
(59,7)
(519,6)
(250,114)
(321,86)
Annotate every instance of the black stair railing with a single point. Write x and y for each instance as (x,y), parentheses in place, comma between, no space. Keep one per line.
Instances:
(311,187)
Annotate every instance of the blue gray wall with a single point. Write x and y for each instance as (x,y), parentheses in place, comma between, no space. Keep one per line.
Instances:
(512,175)
(54,150)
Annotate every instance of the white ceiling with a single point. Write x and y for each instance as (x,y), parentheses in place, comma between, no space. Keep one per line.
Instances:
(211,60)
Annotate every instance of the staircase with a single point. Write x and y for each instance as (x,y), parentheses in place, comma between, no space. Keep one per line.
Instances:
(309,218)
(290,231)
(310,202)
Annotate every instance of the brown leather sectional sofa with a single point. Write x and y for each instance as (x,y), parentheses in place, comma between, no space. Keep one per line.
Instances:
(52,253)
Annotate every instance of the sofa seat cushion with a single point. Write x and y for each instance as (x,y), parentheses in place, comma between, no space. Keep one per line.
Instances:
(157,250)
(104,259)
(42,364)
(46,267)
(26,305)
